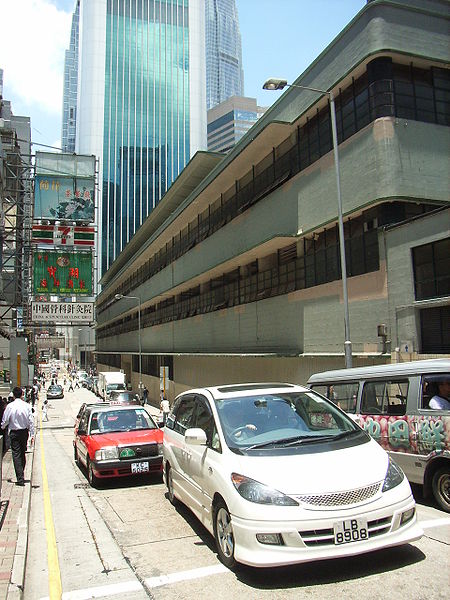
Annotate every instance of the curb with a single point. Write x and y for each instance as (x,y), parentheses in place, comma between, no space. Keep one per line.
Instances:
(16,585)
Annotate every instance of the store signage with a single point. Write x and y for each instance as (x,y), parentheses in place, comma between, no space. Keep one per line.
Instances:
(62,312)
(61,235)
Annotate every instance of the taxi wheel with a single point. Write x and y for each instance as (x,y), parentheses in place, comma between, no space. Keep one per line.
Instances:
(441,488)
(169,478)
(224,535)
(76,458)
(93,480)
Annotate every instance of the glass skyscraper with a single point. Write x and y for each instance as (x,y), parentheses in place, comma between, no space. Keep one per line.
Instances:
(224,74)
(141,105)
(69,117)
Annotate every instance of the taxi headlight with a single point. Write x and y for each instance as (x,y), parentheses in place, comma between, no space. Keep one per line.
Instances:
(107,453)
(394,476)
(160,449)
(253,491)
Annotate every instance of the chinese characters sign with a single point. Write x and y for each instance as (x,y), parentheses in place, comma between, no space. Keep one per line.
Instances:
(62,312)
(62,273)
(67,198)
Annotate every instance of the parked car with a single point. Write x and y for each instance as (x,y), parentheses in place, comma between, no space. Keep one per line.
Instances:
(86,382)
(94,385)
(116,441)
(124,397)
(280,475)
(55,391)
(393,404)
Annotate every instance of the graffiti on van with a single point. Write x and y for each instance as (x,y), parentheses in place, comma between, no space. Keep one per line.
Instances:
(408,434)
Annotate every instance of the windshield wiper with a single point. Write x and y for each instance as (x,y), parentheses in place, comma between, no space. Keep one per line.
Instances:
(283,442)
(322,438)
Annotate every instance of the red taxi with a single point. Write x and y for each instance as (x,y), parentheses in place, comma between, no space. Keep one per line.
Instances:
(116,441)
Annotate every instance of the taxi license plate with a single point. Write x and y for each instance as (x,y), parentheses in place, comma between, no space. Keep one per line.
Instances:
(141,467)
(353,530)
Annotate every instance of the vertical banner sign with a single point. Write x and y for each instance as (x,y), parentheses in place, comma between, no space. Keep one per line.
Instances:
(62,273)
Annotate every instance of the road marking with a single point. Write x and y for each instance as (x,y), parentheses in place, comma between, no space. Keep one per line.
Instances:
(103,591)
(153,582)
(434,523)
(114,589)
(54,574)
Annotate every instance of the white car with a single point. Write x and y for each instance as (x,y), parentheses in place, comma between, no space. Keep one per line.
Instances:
(280,475)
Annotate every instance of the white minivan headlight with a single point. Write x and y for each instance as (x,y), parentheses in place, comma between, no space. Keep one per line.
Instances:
(107,453)
(253,491)
(394,476)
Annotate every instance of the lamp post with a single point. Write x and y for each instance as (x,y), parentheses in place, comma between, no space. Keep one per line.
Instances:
(119,297)
(279,84)
(85,351)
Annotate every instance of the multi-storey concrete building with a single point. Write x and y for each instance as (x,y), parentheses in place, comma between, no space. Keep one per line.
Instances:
(230,120)
(236,275)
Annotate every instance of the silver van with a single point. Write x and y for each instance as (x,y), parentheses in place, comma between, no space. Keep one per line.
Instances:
(392,403)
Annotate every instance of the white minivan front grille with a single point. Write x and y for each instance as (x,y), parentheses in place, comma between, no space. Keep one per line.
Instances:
(340,498)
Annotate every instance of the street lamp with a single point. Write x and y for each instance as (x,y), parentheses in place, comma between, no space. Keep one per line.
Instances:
(279,84)
(119,297)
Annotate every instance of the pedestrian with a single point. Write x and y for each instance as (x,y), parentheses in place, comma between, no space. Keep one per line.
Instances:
(19,420)
(70,385)
(45,410)
(145,394)
(165,408)
(77,383)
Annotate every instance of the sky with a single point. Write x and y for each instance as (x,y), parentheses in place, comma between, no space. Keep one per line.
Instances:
(280,38)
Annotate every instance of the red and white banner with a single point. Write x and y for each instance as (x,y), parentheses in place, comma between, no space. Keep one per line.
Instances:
(63,235)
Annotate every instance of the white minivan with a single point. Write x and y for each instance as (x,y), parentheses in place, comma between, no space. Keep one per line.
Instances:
(280,475)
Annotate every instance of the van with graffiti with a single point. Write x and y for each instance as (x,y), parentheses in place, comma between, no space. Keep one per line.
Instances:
(406,408)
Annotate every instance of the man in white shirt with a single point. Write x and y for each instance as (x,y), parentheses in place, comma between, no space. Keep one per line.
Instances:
(18,417)
(441,401)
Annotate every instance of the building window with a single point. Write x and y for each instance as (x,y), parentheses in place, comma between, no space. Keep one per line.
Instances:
(432,270)
(435,330)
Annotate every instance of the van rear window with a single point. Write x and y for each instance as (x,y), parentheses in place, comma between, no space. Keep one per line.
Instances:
(384,397)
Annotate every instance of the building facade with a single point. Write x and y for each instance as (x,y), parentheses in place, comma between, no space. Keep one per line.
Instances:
(224,73)
(140,111)
(69,114)
(230,120)
(237,273)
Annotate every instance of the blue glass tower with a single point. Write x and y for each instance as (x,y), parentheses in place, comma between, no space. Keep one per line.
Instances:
(224,74)
(69,115)
(140,110)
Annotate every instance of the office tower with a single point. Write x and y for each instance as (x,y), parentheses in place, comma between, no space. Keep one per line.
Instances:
(224,74)
(70,86)
(230,120)
(141,105)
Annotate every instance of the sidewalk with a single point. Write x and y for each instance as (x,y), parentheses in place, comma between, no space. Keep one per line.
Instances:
(14,512)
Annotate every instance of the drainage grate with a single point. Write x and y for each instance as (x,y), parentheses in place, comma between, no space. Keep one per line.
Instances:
(81,486)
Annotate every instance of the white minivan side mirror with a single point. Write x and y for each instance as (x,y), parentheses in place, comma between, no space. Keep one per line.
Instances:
(195,436)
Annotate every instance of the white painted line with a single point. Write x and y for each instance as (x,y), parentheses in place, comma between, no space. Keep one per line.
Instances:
(103,591)
(153,582)
(434,523)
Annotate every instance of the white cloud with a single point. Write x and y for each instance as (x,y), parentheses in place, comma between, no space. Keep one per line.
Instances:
(34,36)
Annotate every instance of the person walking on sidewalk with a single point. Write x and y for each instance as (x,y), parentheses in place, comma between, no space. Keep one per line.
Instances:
(45,410)
(20,422)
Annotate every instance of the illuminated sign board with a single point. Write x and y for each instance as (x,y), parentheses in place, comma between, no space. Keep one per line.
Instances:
(64,187)
(62,273)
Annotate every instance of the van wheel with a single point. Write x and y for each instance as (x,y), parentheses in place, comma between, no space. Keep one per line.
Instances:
(224,535)
(441,488)
(169,478)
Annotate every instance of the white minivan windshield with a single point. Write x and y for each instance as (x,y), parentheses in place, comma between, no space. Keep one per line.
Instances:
(281,420)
